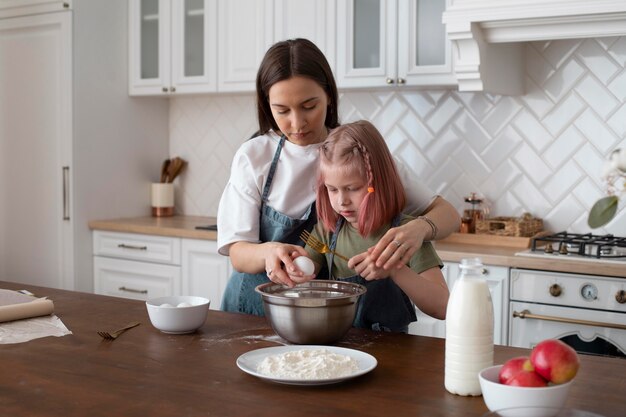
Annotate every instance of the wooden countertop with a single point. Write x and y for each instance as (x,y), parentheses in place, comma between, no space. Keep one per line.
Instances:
(184,226)
(505,256)
(148,373)
(175,226)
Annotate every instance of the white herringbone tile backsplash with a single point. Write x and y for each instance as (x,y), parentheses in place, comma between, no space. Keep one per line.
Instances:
(540,153)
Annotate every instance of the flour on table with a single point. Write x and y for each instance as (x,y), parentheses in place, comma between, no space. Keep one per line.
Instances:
(308,364)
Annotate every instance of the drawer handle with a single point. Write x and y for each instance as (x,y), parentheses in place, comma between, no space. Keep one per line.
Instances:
(133,290)
(125,246)
(526,314)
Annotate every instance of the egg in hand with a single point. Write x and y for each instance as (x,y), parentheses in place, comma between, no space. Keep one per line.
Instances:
(305,265)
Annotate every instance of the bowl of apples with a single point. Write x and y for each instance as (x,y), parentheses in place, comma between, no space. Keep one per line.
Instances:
(537,384)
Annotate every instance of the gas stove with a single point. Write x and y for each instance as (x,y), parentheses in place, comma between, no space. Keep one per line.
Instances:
(580,247)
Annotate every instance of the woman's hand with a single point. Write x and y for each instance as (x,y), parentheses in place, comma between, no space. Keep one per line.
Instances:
(279,264)
(400,243)
(397,246)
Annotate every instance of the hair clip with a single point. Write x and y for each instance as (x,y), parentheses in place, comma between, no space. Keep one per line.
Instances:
(370,189)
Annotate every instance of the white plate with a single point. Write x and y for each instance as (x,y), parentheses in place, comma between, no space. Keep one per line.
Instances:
(249,362)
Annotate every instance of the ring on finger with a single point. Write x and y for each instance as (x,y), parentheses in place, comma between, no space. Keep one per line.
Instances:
(269,271)
(398,244)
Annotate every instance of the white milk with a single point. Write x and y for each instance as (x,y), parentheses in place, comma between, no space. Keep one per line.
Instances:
(469,330)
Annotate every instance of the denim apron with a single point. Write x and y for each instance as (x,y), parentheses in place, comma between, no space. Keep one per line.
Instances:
(239,295)
(384,307)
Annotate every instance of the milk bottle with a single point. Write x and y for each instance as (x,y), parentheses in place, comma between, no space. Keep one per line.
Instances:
(469,330)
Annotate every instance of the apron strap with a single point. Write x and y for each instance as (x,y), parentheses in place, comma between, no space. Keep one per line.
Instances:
(270,175)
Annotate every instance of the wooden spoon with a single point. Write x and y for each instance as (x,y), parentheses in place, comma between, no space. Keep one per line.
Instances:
(175,168)
(164,170)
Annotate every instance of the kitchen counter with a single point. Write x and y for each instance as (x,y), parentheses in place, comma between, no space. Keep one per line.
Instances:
(505,256)
(184,226)
(148,373)
(174,226)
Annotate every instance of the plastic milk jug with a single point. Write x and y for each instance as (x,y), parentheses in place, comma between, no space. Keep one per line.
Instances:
(469,330)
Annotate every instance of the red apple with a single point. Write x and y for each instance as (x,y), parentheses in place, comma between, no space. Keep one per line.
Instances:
(555,361)
(527,379)
(513,366)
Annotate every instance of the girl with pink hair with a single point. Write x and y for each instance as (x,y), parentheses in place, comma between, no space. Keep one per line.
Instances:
(359,197)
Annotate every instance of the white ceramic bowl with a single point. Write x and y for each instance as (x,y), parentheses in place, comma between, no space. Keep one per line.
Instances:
(545,401)
(167,317)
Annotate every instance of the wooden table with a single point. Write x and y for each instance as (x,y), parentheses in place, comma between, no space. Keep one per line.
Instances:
(148,373)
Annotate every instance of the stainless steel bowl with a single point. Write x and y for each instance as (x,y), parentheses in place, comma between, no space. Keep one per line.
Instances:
(315,312)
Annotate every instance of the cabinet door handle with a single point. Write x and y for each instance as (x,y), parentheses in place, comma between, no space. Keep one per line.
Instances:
(401,81)
(133,290)
(389,81)
(526,314)
(66,193)
(135,247)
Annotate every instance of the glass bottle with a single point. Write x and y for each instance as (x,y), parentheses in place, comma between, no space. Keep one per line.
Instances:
(469,330)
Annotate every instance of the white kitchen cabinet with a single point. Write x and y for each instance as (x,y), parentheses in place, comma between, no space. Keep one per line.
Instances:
(498,280)
(11,8)
(73,146)
(205,272)
(245,31)
(314,20)
(136,280)
(393,43)
(172,46)
(140,266)
(430,326)
(136,266)
(247,28)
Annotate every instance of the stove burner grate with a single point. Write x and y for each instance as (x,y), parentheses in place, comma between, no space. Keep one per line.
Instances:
(587,244)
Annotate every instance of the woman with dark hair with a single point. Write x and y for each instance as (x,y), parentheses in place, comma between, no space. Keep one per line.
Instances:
(270,196)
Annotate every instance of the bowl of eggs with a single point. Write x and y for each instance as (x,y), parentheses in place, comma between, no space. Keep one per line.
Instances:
(178,314)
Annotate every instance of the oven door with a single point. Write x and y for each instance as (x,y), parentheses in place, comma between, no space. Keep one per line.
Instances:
(587,331)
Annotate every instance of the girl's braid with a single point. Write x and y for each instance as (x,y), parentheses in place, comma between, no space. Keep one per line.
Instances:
(366,159)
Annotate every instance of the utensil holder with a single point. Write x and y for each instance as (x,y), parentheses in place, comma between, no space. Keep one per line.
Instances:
(162,199)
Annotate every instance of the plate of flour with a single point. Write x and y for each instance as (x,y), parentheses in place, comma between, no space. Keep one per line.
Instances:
(306,364)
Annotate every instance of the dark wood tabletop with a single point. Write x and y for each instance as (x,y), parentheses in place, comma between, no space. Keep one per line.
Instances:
(148,373)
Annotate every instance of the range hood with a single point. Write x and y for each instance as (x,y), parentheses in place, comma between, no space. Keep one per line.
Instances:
(487,35)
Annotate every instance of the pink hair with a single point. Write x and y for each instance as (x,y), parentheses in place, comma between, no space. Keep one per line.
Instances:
(359,147)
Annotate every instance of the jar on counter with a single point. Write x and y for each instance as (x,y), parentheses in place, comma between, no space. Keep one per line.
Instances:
(472,213)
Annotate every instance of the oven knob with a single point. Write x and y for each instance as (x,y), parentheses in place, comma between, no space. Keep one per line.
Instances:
(620,297)
(555,290)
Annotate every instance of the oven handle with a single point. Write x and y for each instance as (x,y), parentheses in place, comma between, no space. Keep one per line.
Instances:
(526,314)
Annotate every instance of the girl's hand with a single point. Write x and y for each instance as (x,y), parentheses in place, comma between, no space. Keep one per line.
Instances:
(397,246)
(366,267)
(279,263)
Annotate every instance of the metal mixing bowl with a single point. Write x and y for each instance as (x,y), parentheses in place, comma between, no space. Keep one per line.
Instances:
(315,312)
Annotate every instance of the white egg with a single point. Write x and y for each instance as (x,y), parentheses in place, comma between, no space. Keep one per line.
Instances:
(183,304)
(305,265)
(166,305)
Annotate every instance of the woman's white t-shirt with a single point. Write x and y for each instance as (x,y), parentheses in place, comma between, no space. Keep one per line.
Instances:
(292,190)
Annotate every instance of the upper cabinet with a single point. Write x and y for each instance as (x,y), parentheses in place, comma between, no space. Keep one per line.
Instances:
(392,42)
(245,33)
(310,19)
(172,46)
(208,46)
